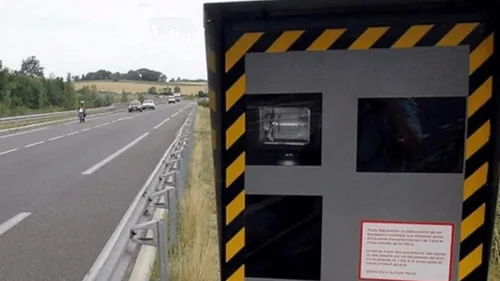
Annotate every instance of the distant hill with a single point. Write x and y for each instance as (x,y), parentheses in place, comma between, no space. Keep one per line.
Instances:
(187,88)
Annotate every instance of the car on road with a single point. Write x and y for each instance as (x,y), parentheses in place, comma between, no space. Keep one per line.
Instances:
(171,99)
(135,106)
(148,104)
(177,97)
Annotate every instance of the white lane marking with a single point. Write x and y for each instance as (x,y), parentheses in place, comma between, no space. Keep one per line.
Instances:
(161,124)
(87,129)
(114,121)
(6,226)
(114,155)
(56,138)
(33,144)
(125,118)
(22,133)
(105,124)
(72,133)
(8,151)
(175,114)
(98,126)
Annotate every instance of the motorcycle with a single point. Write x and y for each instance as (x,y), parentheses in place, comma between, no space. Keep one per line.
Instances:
(81,117)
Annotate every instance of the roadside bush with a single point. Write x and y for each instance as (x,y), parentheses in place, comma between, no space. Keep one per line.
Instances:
(204,102)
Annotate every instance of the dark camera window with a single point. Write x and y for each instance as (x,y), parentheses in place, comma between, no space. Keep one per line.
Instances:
(283,129)
(283,238)
(419,135)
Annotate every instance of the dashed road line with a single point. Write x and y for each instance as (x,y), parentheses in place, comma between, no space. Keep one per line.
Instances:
(6,226)
(86,129)
(22,133)
(56,138)
(114,155)
(34,144)
(161,124)
(125,118)
(8,151)
(72,133)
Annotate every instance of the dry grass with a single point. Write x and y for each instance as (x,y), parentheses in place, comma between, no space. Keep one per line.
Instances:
(196,256)
(494,274)
(140,87)
(495,251)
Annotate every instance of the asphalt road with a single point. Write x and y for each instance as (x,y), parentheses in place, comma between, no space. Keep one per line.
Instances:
(64,188)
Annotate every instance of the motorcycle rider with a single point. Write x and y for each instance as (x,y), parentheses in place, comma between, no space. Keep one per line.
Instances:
(82,109)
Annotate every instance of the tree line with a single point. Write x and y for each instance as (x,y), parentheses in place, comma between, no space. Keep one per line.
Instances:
(142,74)
(27,91)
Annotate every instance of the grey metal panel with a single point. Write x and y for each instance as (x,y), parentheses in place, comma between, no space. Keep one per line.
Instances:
(348,196)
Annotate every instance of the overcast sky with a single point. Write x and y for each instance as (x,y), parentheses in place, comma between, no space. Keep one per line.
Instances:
(80,36)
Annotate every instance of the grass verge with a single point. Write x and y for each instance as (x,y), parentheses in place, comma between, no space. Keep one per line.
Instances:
(196,255)
(495,251)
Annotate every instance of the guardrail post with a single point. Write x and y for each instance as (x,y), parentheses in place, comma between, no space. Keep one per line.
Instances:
(162,249)
(172,211)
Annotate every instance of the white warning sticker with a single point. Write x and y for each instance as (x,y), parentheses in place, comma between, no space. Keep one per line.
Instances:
(406,251)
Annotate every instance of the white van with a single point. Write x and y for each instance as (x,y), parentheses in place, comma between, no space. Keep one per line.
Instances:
(171,99)
(177,96)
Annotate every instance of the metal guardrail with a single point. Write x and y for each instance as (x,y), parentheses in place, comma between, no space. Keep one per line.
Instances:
(60,113)
(22,121)
(163,189)
(35,118)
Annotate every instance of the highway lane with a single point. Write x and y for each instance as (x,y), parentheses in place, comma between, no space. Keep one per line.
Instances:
(64,216)
(45,132)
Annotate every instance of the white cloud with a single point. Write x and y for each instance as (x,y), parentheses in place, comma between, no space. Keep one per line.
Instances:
(118,35)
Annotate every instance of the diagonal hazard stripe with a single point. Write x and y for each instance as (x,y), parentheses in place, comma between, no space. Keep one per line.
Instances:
(479,97)
(211,99)
(238,50)
(475,181)
(211,61)
(235,244)
(326,39)
(480,54)
(473,222)
(236,92)
(457,34)
(214,139)
(236,130)
(478,139)
(235,208)
(412,36)
(238,275)
(286,39)
(470,263)
(368,38)
(236,169)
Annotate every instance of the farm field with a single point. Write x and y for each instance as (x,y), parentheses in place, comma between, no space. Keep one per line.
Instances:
(140,86)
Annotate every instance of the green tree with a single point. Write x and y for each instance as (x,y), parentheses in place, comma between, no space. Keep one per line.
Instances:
(177,89)
(108,99)
(69,96)
(141,97)
(124,97)
(31,66)
(152,91)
